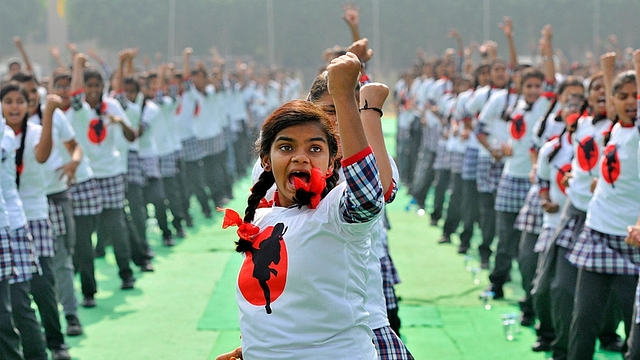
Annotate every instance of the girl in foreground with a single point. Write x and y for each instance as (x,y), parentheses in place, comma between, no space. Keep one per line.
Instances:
(302,286)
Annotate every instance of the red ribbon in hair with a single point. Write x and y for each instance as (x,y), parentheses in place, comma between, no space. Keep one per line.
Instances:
(246,231)
(315,186)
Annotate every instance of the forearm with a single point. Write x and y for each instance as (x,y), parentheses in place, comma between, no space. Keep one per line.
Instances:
(43,149)
(372,125)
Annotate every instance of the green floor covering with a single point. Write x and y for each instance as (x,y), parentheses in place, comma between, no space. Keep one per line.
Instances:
(186,309)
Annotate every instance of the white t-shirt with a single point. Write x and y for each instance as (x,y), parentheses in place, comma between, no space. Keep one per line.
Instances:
(588,141)
(319,290)
(616,202)
(17,218)
(163,130)
(520,128)
(210,120)
(553,172)
(491,120)
(33,176)
(460,113)
(184,114)
(101,141)
(83,171)
(4,215)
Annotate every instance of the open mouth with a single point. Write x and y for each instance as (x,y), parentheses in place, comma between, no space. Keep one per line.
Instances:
(632,113)
(304,176)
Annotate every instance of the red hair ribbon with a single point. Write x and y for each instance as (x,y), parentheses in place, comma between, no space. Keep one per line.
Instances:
(246,231)
(265,204)
(315,186)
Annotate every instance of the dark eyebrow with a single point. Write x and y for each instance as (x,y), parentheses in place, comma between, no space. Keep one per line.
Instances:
(286,138)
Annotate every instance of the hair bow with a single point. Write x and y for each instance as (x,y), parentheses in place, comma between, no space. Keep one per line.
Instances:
(315,187)
(246,231)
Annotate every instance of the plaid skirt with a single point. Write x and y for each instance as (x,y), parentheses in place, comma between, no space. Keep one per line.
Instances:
(389,346)
(6,254)
(42,235)
(544,239)
(529,218)
(470,164)
(168,165)
(191,150)
(150,167)
(511,194)
(604,253)
(135,174)
(456,161)
(25,260)
(443,157)
(56,217)
(214,145)
(112,192)
(570,226)
(389,279)
(86,198)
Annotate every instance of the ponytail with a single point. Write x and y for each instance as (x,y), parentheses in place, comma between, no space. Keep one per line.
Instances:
(543,123)
(20,151)
(258,191)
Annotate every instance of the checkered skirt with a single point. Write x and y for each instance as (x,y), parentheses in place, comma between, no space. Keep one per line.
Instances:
(56,216)
(191,150)
(443,157)
(544,239)
(86,198)
(214,145)
(6,254)
(112,192)
(168,165)
(484,182)
(530,216)
(511,194)
(390,278)
(150,167)
(42,235)
(456,161)
(135,174)
(389,346)
(470,164)
(604,253)
(25,260)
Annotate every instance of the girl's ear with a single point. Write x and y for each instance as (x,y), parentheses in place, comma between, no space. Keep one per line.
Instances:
(266,163)
(330,168)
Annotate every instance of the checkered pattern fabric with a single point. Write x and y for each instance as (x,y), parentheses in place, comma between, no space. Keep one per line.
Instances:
(6,254)
(214,145)
(86,198)
(443,157)
(430,137)
(389,346)
(42,235)
(530,216)
(456,161)
(191,150)
(25,260)
(603,253)
(112,192)
(544,239)
(135,174)
(470,164)
(511,194)
(364,198)
(389,279)
(571,229)
(484,175)
(168,165)
(56,216)
(637,304)
(150,167)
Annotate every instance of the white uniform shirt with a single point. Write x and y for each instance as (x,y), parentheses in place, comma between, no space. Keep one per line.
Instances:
(553,172)
(17,218)
(33,176)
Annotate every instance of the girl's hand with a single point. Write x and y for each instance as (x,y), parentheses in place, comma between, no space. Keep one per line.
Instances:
(374,94)
(53,102)
(343,75)
(233,355)
(633,238)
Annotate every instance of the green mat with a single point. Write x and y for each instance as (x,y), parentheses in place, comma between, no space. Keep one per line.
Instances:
(221,312)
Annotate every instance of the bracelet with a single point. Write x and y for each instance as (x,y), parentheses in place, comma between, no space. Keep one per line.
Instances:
(366,107)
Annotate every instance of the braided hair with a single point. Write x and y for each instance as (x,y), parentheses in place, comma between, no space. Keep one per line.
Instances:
(293,113)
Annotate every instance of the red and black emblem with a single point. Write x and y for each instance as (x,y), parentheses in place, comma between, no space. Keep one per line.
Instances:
(263,274)
(610,164)
(562,171)
(518,127)
(97,131)
(588,153)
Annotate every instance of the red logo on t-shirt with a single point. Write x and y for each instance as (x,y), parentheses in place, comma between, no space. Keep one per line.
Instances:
(610,164)
(588,153)
(263,274)
(197,110)
(178,109)
(518,127)
(566,168)
(97,131)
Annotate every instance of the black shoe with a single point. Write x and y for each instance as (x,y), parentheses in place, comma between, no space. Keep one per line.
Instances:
(88,302)
(167,240)
(181,234)
(616,345)
(434,222)
(462,250)
(60,353)
(445,239)
(484,265)
(146,267)
(127,284)
(498,293)
(527,320)
(189,222)
(207,214)
(74,328)
(541,345)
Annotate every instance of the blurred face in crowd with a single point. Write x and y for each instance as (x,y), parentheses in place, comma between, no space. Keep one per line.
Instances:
(531,89)
(498,74)
(62,88)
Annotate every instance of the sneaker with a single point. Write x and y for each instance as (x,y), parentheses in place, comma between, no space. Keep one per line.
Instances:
(541,345)
(445,239)
(527,320)
(61,353)
(498,292)
(88,302)
(463,250)
(484,264)
(127,284)
(189,221)
(146,267)
(74,328)
(616,345)
(181,234)
(167,240)
(207,214)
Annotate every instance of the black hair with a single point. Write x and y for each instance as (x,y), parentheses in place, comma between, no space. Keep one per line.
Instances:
(131,81)
(296,112)
(92,74)
(23,77)
(531,73)
(477,71)
(60,76)
(6,89)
